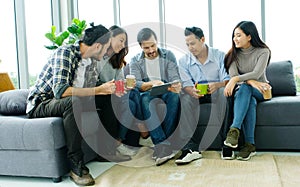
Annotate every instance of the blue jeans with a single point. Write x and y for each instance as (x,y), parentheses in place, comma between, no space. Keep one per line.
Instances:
(160,130)
(130,112)
(244,109)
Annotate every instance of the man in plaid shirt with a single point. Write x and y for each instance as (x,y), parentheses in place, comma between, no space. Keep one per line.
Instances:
(70,74)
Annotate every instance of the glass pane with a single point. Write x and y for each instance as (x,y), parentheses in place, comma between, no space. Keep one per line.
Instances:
(181,14)
(38,22)
(97,11)
(227,14)
(8,51)
(134,21)
(282,26)
(138,11)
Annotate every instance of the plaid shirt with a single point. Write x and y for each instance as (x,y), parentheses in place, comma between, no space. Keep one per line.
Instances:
(58,74)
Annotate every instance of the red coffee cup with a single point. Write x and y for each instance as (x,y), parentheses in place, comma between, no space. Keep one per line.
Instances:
(119,86)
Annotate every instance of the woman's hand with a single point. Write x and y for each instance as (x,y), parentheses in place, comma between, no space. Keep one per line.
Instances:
(261,86)
(228,90)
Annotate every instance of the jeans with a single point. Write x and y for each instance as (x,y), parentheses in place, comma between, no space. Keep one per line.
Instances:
(244,109)
(130,112)
(160,131)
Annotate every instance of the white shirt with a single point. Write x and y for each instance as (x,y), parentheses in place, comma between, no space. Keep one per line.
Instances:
(153,69)
(80,73)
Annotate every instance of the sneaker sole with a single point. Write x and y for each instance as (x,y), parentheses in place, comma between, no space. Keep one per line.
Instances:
(230,145)
(165,159)
(232,157)
(182,162)
(247,158)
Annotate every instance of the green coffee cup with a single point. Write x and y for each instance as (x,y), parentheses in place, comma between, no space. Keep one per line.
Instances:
(203,89)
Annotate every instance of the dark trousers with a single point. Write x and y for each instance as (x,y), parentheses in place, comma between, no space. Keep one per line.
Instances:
(64,108)
(109,126)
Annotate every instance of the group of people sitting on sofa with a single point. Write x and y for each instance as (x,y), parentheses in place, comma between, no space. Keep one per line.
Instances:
(85,73)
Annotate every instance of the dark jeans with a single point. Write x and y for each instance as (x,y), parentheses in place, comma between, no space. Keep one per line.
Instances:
(160,131)
(64,108)
(130,113)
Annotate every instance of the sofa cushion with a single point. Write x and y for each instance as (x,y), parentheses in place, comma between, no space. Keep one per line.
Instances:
(13,102)
(21,133)
(281,77)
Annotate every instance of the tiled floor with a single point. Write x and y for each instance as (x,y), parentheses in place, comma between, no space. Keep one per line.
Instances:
(96,169)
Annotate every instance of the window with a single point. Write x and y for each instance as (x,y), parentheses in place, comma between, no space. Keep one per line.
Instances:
(227,14)
(8,53)
(144,13)
(38,23)
(186,13)
(282,29)
(97,11)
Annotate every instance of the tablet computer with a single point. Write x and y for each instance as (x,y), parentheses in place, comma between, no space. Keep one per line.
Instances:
(161,89)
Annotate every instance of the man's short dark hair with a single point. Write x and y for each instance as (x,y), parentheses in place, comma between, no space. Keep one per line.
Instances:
(145,34)
(96,34)
(194,30)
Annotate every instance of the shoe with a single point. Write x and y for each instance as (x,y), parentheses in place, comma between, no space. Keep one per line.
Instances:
(77,173)
(124,150)
(85,170)
(227,153)
(232,137)
(247,151)
(188,156)
(163,154)
(146,142)
(84,180)
(113,158)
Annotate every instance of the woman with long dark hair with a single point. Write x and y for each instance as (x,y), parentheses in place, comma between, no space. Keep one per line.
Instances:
(246,63)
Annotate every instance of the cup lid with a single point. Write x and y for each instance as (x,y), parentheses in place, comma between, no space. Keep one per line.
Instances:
(130,76)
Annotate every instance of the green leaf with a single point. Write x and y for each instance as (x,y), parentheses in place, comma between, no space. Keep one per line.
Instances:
(52,47)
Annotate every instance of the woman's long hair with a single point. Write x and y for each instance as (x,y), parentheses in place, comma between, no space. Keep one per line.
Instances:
(117,60)
(248,28)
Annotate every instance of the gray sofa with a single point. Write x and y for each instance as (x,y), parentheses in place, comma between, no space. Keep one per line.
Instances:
(277,124)
(36,147)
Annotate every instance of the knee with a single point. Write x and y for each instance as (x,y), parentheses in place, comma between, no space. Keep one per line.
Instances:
(244,89)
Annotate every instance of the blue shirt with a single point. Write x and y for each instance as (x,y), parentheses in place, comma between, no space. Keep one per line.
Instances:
(192,71)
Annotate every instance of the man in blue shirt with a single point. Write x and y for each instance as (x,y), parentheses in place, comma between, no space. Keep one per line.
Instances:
(155,66)
(202,64)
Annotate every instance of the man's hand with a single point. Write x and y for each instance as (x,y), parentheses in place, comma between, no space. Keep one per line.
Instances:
(106,88)
(176,87)
(193,91)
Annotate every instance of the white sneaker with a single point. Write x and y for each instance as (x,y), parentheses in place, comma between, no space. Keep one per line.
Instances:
(188,156)
(124,150)
(146,142)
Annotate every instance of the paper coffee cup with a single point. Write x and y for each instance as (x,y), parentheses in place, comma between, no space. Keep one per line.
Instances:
(267,93)
(130,79)
(119,86)
(203,89)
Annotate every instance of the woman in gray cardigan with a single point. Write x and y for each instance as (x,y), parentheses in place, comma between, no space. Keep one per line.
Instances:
(246,63)
(126,106)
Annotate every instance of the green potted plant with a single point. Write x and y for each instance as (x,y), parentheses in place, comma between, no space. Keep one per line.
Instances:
(73,33)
